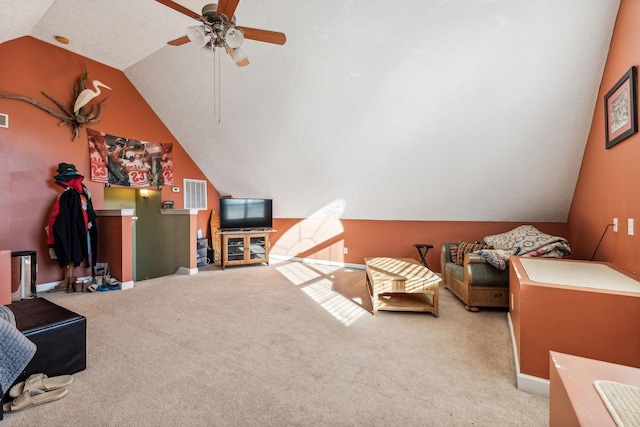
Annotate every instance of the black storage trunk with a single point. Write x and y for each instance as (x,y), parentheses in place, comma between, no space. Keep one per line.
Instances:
(59,333)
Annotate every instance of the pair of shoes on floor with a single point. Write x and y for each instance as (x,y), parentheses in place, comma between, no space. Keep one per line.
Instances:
(66,285)
(38,389)
(111,285)
(71,284)
(81,286)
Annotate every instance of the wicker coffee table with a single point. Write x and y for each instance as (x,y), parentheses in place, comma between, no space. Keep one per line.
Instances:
(401,284)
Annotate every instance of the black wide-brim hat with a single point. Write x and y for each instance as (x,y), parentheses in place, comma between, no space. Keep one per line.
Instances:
(66,172)
(67,178)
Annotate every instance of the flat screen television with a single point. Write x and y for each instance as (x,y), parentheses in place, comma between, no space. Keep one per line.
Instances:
(244,214)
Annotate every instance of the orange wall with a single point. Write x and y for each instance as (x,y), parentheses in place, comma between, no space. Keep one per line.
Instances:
(325,239)
(34,144)
(609,180)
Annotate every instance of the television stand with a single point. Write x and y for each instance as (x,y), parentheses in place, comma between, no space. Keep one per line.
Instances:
(244,247)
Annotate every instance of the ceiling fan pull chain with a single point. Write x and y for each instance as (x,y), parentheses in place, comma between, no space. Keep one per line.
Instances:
(215,77)
(219,94)
(216,85)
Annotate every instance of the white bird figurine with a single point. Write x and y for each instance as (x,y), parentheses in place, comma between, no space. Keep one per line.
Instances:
(87,95)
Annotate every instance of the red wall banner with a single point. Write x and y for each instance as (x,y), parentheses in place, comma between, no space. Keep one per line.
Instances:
(129,162)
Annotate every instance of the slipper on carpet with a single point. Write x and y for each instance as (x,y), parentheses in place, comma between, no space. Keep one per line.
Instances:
(34,397)
(40,382)
(113,284)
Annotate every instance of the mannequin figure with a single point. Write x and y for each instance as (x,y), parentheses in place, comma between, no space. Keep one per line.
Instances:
(72,230)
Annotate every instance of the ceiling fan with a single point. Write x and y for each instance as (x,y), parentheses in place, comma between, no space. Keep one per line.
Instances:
(217,28)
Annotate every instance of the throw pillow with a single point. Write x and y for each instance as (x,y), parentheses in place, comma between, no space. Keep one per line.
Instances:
(467,247)
(453,251)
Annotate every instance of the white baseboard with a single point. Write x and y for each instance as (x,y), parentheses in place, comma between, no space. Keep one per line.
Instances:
(525,382)
(44,287)
(533,385)
(186,271)
(318,262)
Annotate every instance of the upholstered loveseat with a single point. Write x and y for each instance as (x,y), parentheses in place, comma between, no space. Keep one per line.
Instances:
(476,282)
(479,274)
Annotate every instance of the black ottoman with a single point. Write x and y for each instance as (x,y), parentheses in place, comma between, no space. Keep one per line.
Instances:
(59,334)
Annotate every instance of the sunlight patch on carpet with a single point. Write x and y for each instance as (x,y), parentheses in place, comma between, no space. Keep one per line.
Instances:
(317,282)
(326,269)
(343,309)
(298,273)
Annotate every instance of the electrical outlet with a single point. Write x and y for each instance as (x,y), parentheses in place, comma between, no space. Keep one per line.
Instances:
(630,226)
(345,251)
(615,225)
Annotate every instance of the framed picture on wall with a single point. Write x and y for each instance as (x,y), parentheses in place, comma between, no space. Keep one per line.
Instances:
(620,109)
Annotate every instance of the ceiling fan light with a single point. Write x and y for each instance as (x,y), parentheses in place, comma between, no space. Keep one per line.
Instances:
(243,63)
(234,38)
(197,35)
(238,55)
(207,49)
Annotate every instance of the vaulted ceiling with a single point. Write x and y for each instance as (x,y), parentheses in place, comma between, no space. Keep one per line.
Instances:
(412,110)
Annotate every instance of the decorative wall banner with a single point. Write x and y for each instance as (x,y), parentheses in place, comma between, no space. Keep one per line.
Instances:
(129,162)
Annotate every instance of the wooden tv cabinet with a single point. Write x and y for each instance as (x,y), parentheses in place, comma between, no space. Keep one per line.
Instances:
(244,247)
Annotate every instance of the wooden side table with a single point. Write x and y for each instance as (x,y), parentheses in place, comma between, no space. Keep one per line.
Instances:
(423,248)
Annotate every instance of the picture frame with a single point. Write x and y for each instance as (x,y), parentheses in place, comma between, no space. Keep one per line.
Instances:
(620,109)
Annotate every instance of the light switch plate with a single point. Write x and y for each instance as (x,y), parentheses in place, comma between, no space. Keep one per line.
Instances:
(630,226)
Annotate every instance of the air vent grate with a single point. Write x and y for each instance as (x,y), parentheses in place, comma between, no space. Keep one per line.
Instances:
(195,194)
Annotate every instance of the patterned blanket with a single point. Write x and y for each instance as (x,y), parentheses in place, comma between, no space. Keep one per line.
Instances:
(525,240)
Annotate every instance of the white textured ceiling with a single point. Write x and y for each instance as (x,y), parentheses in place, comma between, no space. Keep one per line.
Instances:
(412,110)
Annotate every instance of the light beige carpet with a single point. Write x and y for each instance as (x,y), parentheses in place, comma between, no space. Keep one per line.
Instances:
(289,344)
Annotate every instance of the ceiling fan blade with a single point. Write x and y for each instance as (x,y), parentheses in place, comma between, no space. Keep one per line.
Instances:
(227,8)
(180,41)
(264,35)
(179,8)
